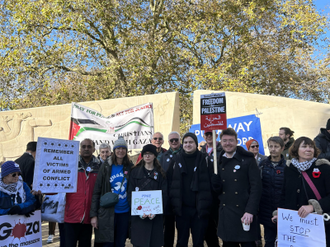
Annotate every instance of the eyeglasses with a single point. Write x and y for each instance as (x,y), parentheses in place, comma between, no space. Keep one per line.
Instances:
(86,146)
(158,138)
(15,174)
(255,146)
(174,140)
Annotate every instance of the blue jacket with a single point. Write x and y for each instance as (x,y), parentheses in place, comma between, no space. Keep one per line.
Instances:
(7,201)
(272,183)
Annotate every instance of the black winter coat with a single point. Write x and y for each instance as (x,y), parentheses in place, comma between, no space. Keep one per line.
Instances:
(146,232)
(105,216)
(272,182)
(200,184)
(322,142)
(26,165)
(294,194)
(239,192)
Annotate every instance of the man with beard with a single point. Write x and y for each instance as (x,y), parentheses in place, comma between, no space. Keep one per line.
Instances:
(238,185)
(322,142)
(287,136)
(77,223)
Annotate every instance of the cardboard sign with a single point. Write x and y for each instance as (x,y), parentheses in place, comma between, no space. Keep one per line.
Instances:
(147,202)
(294,231)
(213,112)
(18,230)
(247,128)
(56,166)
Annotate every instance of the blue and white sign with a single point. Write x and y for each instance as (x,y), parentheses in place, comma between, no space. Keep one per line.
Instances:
(247,128)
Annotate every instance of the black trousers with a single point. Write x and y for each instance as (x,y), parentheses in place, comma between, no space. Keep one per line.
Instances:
(211,234)
(77,232)
(189,221)
(169,230)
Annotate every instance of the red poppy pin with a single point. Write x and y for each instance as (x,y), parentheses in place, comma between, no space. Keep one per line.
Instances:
(316,173)
(278,171)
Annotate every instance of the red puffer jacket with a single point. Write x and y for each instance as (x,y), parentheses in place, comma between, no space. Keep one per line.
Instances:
(78,204)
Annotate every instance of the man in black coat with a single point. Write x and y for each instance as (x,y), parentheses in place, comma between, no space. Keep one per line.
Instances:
(26,163)
(239,187)
(322,142)
(190,192)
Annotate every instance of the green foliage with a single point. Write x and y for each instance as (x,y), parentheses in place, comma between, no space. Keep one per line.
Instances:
(55,52)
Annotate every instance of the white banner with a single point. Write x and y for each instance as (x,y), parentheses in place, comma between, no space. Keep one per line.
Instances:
(135,124)
(294,231)
(56,166)
(18,230)
(147,202)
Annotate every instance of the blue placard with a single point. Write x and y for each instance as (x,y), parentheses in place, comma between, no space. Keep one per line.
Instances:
(247,128)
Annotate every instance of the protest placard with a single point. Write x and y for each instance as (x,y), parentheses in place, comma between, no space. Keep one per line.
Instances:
(56,166)
(213,111)
(18,230)
(247,128)
(294,231)
(147,202)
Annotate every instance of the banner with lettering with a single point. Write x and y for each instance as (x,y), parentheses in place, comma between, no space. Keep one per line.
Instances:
(213,112)
(135,124)
(147,202)
(294,231)
(56,166)
(247,127)
(18,230)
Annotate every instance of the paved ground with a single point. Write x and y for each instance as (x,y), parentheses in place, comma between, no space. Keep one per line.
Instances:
(56,242)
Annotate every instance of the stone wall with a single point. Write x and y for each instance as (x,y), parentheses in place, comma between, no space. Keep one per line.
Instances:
(19,127)
(305,118)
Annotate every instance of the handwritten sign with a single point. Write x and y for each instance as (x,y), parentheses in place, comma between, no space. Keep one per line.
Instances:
(213,112)
(56,166)
(147,202)
(294,231)
(18,230)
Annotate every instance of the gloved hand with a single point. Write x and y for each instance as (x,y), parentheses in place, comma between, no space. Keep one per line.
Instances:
(29,214)
(14,210)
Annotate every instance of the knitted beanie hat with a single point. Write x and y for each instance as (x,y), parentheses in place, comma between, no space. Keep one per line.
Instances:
(120,143)
(328,125)
(249,142)
(149,148)
(192,135)
(9,167)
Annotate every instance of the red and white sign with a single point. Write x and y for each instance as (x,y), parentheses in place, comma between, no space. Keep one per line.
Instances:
(213,112)
(18,230)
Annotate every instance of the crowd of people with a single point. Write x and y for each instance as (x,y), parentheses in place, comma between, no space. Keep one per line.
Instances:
(230,204)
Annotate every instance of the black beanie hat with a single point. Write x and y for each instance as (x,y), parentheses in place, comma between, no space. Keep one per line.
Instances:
(149,148)
(328,125)
(192,135)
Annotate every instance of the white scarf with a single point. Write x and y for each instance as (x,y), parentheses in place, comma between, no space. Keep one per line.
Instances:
(16,189)
(302,166)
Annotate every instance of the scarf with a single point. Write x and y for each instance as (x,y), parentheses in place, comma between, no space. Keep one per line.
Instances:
(302,166)
(16,189)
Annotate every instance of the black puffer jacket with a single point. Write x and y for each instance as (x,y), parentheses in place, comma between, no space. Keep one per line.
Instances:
(272,182)
(200,184)
(322,142)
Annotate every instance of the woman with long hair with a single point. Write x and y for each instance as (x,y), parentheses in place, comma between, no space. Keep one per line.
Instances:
(303,173)
(147,230)
(111,224)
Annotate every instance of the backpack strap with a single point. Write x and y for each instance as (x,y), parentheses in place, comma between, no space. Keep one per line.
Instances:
(311,185)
